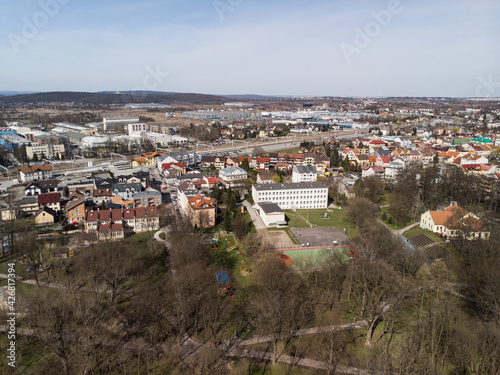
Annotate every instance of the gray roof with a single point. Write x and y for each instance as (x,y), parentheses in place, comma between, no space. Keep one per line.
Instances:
(269,208)
(123,187)
(305,169)
(73,135)
(27,200)
(289,186)
(149,192)
(232,169)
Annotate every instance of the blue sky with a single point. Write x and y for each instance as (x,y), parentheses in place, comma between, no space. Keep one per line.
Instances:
(274,47)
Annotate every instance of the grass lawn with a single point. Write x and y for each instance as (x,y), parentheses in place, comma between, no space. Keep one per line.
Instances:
(294,220)
(141,237)
(224,242)
(336,218)
(384,200)
(162,236)
(413,232)
(393,226)
(233,260)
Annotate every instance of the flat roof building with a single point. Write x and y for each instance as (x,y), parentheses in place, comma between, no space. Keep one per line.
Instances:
(304,195)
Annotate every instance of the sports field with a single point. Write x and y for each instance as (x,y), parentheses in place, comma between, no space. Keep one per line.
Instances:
(314,258)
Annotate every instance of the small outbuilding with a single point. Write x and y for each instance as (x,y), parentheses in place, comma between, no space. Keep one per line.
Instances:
(271,214)
(45,216)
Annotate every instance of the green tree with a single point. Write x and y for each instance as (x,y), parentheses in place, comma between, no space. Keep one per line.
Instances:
(277,179)
(345,164)
(245,165)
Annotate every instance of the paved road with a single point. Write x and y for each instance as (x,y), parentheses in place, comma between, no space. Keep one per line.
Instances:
(256,220)
(399,232)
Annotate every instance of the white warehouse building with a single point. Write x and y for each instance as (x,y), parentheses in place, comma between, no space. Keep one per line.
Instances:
(305,195)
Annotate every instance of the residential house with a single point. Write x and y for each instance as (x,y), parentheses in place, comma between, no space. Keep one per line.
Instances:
(350,154)
(232,174)
(148,198)
(112,224)
(262,163)
(75,211)
(140,162)
(376,144)
(36,172)
(382,161)
(283,167)
(207,161)
(309,159)
(41,187)
(28,204)
(126,191)
(51,200)
(202,211)
(8,215)
(470,160)
(370,170)
(103,183)
(230,161)
(219,162)
(210,182)
(393,169)
(77,194)
(45,216)
(362,160)
(265,177)
(273,159)
(304,173)
(189,157)
(101,196)
(453,222)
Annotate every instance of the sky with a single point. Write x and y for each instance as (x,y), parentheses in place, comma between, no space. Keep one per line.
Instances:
(273,47)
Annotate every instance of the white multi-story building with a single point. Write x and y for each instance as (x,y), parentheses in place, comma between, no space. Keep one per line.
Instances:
(232,174)
(136,129)
(305,195)
(44,151)
(393,169)
(304,173)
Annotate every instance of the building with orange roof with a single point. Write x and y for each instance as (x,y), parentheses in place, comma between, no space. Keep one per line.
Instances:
(140,161)
(202,211)
(453,222)
(36,172)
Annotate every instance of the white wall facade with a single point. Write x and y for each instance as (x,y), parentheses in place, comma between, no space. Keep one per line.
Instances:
(292,196)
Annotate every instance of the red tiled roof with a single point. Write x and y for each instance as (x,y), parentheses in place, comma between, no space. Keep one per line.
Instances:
(140,212)
(49,198)
(102,192)
(199,200)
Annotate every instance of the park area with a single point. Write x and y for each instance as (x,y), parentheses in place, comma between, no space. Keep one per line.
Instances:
(314,258)
(321,218)
(430,244)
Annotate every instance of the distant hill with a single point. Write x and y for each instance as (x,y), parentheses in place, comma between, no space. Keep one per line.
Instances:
(252,97)
(9,93)
(139,92)
(113,98)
